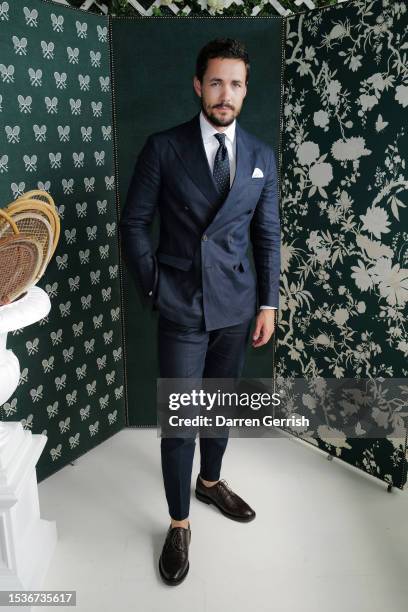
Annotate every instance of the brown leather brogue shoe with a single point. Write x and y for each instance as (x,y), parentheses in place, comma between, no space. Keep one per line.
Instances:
(173,562)
(228,502)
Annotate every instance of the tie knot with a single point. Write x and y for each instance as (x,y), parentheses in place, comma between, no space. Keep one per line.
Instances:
(220,138)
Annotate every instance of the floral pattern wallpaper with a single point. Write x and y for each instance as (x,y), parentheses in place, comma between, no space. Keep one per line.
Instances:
(344,198)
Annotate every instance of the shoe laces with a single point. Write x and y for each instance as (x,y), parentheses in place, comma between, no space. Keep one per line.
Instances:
(225,483)
(177,538)
(225,489)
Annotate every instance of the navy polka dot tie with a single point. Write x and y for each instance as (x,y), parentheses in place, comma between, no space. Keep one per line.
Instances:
(221,170)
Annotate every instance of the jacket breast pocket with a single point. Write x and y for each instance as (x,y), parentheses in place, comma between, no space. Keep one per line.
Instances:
(254,188)
(256,183)
(181,263)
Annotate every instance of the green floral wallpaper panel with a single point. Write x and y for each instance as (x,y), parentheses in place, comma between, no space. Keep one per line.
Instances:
(344,187)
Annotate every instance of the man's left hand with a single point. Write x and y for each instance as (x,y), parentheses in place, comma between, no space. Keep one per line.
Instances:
(264,327)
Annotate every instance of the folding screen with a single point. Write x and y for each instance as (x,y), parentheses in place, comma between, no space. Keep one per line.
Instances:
(344,282)
(56,134)
(342,154)
(153,91)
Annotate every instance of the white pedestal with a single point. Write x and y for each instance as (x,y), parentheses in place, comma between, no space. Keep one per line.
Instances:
(27,542)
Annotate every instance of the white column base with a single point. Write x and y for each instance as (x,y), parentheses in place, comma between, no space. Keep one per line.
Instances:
(27,542)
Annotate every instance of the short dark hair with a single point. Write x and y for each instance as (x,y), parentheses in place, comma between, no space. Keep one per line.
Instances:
(221,47)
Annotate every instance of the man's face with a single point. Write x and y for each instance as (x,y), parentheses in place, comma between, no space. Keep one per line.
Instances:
(222,91)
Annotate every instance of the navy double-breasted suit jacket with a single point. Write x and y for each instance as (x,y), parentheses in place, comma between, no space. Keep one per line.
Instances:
(200,273)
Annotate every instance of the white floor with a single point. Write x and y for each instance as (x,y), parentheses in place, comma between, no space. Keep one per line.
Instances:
(326,537)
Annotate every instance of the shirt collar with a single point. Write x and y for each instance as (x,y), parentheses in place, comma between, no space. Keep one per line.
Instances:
(208,131)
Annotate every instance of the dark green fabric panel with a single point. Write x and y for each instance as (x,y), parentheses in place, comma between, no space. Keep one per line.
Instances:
(72,384)
(154,61)
(344,287)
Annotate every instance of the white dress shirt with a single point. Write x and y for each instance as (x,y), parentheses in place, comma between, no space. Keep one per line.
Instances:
(211,145)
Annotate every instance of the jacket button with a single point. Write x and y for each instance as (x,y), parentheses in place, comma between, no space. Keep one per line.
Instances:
(205,237)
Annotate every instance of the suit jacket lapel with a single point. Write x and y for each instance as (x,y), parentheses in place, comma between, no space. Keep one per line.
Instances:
(244,163)
(190,149)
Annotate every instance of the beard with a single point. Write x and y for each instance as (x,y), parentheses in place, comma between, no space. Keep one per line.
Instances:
(214,119)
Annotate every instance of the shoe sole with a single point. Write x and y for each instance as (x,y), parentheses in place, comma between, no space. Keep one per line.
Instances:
(173,582)
(207,500)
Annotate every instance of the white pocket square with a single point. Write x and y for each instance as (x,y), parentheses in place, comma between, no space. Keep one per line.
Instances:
(257,173)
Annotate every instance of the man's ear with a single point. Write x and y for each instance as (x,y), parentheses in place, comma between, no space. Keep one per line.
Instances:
(197,86)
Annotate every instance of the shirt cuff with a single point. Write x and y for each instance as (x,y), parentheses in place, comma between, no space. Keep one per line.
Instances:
(267,308)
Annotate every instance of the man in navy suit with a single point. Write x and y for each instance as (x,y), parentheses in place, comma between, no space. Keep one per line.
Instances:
(214,185)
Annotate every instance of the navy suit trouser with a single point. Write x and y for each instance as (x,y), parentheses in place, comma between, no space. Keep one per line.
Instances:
(186,352)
